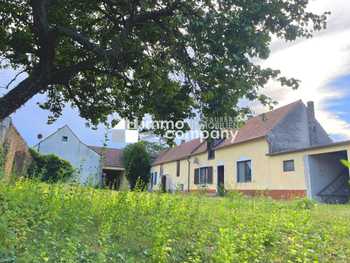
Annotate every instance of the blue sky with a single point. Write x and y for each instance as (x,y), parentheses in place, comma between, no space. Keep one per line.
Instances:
(321,63)
(342,105)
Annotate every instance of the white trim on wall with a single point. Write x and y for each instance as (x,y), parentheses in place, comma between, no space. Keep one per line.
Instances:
(307,175)
(220,163)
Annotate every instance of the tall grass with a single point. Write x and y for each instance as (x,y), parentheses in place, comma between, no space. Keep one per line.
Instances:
(65,223)
(2,163)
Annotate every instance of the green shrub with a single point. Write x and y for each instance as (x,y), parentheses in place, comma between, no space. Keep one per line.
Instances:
(49,168)
(346,163)
(304,203)
(137,163)
(221,190)
(235,195)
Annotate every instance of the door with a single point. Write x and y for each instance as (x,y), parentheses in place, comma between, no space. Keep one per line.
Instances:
(221,177)
(163,183)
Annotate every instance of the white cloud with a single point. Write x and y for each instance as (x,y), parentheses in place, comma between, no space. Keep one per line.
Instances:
(316,62)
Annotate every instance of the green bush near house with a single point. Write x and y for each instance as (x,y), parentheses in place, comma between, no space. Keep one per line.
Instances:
(49,168)
(346,163)
(64,223)
(137,163)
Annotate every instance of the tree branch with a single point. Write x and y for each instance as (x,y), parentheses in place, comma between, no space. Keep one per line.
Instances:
(16,97)
(84,41)
(64,75)
(36,83)
(14,78)
(46,37)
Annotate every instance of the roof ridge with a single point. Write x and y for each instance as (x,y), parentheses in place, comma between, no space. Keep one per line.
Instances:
(109,148)
(279,108)
(51,134)
(292,105)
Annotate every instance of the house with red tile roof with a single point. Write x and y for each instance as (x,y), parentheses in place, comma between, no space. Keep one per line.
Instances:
(94,165)
(283,153)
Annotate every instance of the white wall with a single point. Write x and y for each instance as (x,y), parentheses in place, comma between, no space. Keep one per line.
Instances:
(82,158)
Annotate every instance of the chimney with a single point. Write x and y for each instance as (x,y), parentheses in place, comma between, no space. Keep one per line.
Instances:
(312,123)
(311,109)
(183,141)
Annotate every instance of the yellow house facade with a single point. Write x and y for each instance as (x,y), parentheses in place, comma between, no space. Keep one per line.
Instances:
(270,155)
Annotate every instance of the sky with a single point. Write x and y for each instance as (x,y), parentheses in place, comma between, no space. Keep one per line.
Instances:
(322,63)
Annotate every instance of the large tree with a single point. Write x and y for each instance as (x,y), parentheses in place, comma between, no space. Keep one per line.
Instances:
(162,57)
(137,163)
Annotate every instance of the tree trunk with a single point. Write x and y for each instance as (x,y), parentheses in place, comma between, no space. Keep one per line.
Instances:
(18,96)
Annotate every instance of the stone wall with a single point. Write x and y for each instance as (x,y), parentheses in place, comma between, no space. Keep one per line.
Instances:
(15,150)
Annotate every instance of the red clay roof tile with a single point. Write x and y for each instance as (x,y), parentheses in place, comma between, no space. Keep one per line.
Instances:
(256,127)
(112,157)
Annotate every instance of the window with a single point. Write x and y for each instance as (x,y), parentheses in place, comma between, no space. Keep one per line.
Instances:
(155,178)
(288,166)
(64,138)
(211,149)
(152,180)
(244,171)
(211,154)
(178,168)
(203,175)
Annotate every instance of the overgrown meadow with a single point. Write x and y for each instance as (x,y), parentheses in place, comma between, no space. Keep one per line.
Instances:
(65,223)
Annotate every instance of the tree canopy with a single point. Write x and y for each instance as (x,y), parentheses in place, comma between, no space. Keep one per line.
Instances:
(137,163)
(131,57)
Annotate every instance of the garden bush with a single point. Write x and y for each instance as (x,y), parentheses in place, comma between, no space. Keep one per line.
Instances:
(49,168)
(65,223)
(137,163)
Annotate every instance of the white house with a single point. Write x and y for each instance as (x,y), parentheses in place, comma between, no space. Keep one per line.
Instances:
(65,144)
(94,165)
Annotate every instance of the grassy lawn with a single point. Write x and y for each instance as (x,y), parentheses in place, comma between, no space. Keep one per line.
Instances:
(61,223)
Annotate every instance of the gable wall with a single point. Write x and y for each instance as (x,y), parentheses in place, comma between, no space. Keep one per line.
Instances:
(82,158)
(296,131)
(292,132)
(321,135)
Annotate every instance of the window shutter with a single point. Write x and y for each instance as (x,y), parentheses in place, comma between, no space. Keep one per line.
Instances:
(210,175)
(178,168)
(196,176)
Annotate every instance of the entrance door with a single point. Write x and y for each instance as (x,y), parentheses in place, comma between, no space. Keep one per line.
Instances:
(221,177)
(163,184)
